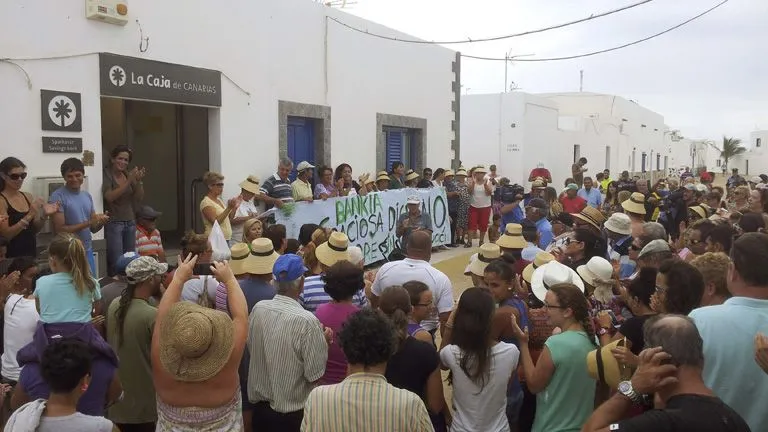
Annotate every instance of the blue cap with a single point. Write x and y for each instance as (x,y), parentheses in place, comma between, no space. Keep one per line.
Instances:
(123,261)
(288,268)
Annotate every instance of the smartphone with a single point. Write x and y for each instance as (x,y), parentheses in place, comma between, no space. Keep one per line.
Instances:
(202,269)
(614,321)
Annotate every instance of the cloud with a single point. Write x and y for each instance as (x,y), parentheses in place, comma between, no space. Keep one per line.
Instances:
(706,78)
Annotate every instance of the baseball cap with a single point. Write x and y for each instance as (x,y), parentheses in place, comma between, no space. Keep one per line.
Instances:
(123,262)
(143,268)
(571,186)
(413,199)
(288,268)
(653,247)
(147,212)
(304,165)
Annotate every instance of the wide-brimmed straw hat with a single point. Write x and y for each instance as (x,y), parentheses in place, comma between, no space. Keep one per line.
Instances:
(512,238)
(334,250)
(382,176)
(251,184)
(635,204)
(461,172)
(597,268)
(195,342)
(604,367)
(591,216)
(702,210)
(541,259)
(411,175)
(553,273)
(488,252)
(365,179)
(619,223)
(480,169)
(258,259)
(449,173)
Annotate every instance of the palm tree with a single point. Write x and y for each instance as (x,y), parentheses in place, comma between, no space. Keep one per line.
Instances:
(731,147)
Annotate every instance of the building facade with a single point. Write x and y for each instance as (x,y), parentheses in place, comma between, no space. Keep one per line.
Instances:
(230,88)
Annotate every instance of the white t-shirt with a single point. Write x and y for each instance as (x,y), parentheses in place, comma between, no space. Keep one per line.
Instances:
(479,198)
(245,209)
(193,288)
(20,323)
(400,272)
(481,409)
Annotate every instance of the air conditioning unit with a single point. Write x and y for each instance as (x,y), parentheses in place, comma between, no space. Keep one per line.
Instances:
(108,11)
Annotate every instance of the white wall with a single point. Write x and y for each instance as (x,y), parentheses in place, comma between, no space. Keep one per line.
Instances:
(273,50)
(757,156)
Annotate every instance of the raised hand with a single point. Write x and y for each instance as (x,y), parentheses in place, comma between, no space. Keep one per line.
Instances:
(222,271)
(50,209)
(185,270)
(520,334)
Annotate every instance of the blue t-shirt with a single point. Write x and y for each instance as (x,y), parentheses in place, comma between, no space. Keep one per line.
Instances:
(256,291)
(60,301)
(77,208)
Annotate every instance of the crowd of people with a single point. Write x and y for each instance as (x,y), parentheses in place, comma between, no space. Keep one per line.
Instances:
(606,305)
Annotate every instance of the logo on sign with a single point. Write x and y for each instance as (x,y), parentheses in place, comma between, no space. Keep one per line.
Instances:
(117,76)
(62,111)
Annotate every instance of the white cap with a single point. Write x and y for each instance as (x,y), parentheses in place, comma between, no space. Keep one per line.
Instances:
(303,165)
(413,199)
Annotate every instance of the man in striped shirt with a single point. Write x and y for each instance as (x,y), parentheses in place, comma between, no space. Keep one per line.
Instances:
(289,350)
(276,190)
(365,401)
(329,253)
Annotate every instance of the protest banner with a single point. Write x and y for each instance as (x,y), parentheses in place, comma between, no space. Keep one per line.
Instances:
(370,221)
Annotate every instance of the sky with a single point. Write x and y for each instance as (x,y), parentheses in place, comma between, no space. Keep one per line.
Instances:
(708,78)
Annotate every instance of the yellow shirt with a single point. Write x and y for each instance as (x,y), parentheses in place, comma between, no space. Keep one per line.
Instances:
(219,206)
(301,190)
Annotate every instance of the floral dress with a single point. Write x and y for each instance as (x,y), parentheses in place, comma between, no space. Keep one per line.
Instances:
(462,215)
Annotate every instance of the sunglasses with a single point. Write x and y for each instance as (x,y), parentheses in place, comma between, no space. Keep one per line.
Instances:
(21,176)
(219,184)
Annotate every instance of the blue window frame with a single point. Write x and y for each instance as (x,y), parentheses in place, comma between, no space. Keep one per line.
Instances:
(301,141)
(399,147)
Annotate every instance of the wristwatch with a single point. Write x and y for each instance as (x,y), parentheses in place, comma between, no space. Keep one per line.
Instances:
(625,388)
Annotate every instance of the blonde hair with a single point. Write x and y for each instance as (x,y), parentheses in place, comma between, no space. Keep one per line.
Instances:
(70,252)
(310,258)
(211,177)
(623,196)
(247,227)
(714,268)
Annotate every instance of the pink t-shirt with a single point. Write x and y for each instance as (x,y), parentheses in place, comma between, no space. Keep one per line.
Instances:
(333,315)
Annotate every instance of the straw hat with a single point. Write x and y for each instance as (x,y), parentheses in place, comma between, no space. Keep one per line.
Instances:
(365,179)
(334,250)
(461,172)
(597,268)
(240,253)
(591,216)
(263,257)
(603,366)
(512,237)
(551,274)
(488,252)
(449,173)
(702,210)
(619,223)
(635,204)
(251,184)
(481,169)
(195,342)
(541,259)
(382,176)
(538,183)
(411,175)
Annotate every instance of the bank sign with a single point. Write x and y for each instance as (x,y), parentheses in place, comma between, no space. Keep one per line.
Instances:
(370,221)
(135,78)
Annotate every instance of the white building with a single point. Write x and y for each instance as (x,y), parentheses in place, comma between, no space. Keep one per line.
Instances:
(229,88)
(755,160)
(518,131)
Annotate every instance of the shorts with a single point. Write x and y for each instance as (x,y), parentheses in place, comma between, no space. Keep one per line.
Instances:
(514,403)
(479,218)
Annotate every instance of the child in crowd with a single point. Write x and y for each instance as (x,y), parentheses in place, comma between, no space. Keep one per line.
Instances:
(495,230)
(68,294)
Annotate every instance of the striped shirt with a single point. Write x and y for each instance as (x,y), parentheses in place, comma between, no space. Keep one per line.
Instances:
(288,354)
(148,244)
(277,188)
(313,296)
(364,402)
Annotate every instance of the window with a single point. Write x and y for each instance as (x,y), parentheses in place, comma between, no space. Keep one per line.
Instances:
(758,142)
(643,161)
(718,162)
(399,148)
